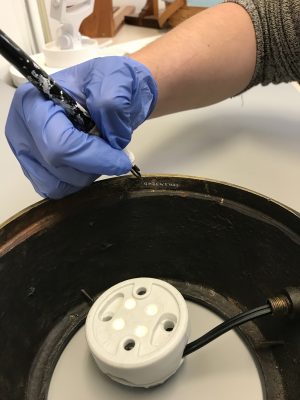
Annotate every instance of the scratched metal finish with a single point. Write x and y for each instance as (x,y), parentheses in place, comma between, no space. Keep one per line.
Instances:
(42,81)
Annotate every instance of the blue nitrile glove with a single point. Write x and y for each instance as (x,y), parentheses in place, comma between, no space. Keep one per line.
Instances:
(119,93)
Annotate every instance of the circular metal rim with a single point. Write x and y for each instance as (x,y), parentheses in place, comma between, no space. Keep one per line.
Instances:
(46,213)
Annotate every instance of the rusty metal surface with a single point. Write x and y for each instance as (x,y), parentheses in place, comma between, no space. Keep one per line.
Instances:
(199,233)
(46,213)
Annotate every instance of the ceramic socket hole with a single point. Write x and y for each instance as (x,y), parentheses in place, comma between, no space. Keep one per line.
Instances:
(141,291)
(107,317)
(129,344)
(111,307)
(168,326)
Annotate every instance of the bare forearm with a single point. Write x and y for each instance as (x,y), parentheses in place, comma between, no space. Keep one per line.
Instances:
(206,59)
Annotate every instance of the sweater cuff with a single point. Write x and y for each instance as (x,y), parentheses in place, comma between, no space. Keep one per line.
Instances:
(277,28)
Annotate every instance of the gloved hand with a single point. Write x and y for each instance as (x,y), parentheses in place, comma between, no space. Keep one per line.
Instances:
(58,159)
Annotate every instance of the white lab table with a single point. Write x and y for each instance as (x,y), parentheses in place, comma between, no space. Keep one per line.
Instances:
(252,141)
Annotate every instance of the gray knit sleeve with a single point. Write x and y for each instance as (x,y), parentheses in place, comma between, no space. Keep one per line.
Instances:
(277,28)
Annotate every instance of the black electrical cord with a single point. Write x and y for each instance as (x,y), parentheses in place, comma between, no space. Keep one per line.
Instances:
(286,303)
(226,327)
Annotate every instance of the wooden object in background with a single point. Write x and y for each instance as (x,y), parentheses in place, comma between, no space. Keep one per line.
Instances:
(174,13)
(152,17)
(170,9)
(105,19)
(145,17)
(182,14)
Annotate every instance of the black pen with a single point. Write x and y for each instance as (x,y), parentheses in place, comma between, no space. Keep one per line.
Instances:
(77,114)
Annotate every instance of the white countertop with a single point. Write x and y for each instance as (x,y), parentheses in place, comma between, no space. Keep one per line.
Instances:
(252,141)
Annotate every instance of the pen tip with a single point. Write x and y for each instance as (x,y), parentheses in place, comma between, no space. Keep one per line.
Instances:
(136,171)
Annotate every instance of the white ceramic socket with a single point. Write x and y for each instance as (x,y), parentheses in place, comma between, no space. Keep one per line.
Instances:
(137,331)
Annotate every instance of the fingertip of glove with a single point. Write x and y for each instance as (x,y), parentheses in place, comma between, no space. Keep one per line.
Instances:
(123,164)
